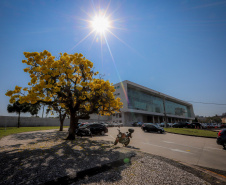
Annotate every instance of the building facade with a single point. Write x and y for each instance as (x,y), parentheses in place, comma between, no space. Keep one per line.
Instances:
(149,106)
(223,119)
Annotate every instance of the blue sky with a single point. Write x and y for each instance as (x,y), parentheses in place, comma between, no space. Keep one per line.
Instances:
(177,47)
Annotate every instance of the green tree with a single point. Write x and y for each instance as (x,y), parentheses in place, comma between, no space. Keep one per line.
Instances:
(196,120)
(68,81)
(34,108)
(22,108)
(62,113)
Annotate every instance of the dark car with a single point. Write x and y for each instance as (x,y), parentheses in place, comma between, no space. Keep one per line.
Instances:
(191,125)
(137,124)
(194,125)
(180,125)
(147,127)
(221,139)
(94,129)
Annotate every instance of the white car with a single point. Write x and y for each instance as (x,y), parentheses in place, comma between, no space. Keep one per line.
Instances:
(204,125)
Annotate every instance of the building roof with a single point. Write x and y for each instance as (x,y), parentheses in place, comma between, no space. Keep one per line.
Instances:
(156,93)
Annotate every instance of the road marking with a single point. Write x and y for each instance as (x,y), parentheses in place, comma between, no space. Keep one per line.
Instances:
(183,145)
(111,136)
(204,148)
(175,150)
(213,148)
(168,142)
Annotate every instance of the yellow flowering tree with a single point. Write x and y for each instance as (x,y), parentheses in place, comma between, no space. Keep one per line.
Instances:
(69,81)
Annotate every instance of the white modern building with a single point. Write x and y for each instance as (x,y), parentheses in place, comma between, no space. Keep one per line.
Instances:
(149,106)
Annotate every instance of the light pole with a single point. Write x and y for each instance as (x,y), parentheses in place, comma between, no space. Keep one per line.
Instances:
(164,108)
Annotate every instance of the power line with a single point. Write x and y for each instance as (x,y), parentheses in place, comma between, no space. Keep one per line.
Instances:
(207,103)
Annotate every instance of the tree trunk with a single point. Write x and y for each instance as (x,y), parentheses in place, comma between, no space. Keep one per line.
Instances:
(61,125)
(62,118)
(73,126)
(18,124)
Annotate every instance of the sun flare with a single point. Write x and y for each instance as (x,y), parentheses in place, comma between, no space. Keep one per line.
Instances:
(100,24)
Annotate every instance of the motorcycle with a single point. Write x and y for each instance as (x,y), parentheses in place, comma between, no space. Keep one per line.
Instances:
(124,138)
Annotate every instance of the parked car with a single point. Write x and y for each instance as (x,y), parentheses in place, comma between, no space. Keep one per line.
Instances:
(94,129)
(210,125)
(223,125)
(194,125)
(191,125)
(180,125)
(221,139)
(81,124)
(136,124)
(167,124)
(204,125)
(147,127)
(105,124)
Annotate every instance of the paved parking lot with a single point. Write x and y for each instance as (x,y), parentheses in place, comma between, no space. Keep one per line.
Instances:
(45,157)
(191,150)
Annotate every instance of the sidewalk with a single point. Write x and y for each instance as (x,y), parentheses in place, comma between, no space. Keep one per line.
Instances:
(43,157)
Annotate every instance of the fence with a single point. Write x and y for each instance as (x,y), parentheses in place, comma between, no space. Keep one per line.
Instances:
(12,121)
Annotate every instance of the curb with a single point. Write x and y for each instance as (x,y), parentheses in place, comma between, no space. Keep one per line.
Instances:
(191,135)
(201,172)
(208,172)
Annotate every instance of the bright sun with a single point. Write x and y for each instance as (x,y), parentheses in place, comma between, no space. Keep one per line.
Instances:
(100,24)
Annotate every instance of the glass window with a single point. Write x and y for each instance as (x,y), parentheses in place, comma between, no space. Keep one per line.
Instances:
(142,101)
(177,109)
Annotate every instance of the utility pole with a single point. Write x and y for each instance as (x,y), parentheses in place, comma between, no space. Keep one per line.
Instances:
(164,108)
(43,110)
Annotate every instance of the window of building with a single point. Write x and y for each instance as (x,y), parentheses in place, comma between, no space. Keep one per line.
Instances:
(143,101)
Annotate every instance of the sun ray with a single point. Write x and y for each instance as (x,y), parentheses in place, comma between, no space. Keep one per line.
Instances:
(127,45)
(93,40)
(82,40)
(101,24)
(116,68)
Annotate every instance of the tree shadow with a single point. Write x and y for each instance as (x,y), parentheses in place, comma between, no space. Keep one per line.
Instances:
(50,158)
(132,147)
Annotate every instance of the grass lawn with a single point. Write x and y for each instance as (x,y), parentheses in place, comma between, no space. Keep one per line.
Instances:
(14,130)
(193,132)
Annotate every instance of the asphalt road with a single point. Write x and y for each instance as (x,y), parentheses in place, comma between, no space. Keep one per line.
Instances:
(191,150)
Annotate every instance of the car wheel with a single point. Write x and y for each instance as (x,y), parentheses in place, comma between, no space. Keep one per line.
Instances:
(102,133)
(224,146)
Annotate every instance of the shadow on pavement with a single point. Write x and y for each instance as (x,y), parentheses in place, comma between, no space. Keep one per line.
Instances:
(50,158)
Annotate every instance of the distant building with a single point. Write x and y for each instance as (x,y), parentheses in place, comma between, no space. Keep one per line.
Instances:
(146,105)
(223,119)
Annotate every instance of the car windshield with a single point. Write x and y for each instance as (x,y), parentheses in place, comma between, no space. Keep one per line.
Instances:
(85,125)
